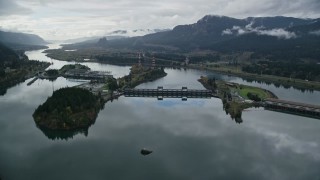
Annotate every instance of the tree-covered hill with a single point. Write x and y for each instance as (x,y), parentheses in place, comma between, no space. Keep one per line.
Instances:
(7,54)
(67,109)
(21,38)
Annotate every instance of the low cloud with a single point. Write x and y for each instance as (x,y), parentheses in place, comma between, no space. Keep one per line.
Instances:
(227,32)
(279,33)
(77,18)
(317,32)
(12,8)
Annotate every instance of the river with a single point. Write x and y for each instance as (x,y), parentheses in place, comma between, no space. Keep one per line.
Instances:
(191,139)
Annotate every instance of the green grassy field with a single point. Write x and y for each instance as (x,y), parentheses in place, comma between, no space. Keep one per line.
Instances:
(244,90)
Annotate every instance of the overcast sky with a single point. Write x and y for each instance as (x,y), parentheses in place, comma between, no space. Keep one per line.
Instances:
(67,19)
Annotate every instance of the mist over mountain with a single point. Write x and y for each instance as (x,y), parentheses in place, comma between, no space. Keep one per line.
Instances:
(136,32)
(14,39)
(92,39)
(212,30)
(284,37)
(115,35)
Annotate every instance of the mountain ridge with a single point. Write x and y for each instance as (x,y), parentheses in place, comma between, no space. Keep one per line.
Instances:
(212,27)
(17,38)
(221,33)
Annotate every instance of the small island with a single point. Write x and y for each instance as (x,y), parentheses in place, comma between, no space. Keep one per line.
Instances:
(68,109)
(139,74)
(236,97)
(69,67)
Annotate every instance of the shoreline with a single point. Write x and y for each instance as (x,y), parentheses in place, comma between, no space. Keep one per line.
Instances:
(276,80)
(21,75)
(282,81)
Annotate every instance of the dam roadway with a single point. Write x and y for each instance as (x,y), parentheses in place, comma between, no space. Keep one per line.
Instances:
(184,93)
(161,93)
(292,107)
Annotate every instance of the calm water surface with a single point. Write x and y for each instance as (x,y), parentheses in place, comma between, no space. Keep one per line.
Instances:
(191,139)
(117,71)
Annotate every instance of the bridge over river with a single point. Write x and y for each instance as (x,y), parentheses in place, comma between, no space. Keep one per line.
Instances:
(161,93)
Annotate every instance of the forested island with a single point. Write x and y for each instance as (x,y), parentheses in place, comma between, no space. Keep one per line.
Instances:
(77,108)
(68,109)
(68,67)
(139,74)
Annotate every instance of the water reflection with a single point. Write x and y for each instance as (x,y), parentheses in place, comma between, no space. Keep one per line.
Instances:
(253,81)
(63,135)
(291,94)
(188,77)
(117,71)
(191,139)
(167,102)
(57,126)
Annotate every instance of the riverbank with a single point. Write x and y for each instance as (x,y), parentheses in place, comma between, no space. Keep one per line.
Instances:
(27,70)
(129,58)
(277,80)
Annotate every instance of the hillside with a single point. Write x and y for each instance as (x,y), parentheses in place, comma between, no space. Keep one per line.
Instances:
(7,54)
(280,37)
(15,68)
(212,30)
(22,40)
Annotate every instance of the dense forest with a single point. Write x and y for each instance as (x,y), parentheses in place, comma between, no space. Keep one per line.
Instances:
(295,69)
(7,55)
(68,108)
(140,75)
(68,67)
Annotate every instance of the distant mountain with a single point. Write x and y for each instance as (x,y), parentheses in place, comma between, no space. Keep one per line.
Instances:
(210,30)
(136,32)
(277,22)
(307,29)
(276,37)
(13,38)
(115,35)
(92,39)
(82,39)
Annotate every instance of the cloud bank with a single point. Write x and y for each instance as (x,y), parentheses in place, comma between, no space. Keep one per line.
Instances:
(279,33)
(317,32)
(11,7)
(61,19)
